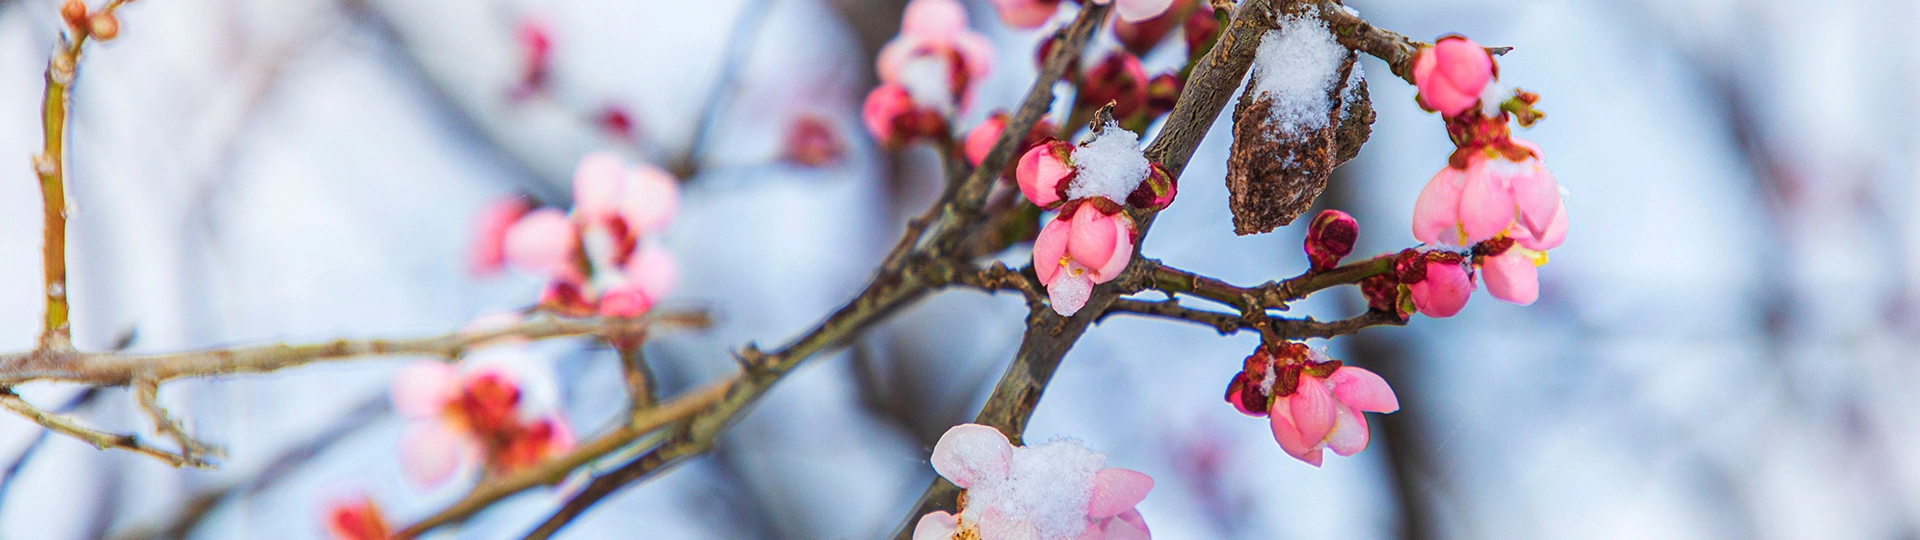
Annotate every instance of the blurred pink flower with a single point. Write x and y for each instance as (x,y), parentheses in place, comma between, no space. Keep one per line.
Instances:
(1461,207)
(1025,13)
(894,119)
(936,58)
(1452,73)
(1137,10)
(1118,78)
(489,247)
(1059,490)
(1084,246)
(498,410)
(604,256)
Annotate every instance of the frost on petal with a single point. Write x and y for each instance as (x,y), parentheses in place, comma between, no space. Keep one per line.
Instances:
(543,242)
(432,451)
(1111,165)
(651,198)
(1050,250)
(971,453)
(597,183)
(422,389)
(1444,292)
(1140,10)
(1436,214)
(1350,433)
(1311,407)
(1050,487)
(1363,390)
(1069,292)
(936,526)
(1117,490)
(1288,435)
(1512,277)
(1486,199)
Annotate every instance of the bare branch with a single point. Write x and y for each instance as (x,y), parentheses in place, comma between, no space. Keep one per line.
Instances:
(147,393)
(99,439)
(1229,323)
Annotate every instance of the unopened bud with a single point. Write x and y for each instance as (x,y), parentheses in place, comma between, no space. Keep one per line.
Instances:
(1156,192)
(1162,93)
(75,13)
(1330,238)
(1120,79)
(104,25)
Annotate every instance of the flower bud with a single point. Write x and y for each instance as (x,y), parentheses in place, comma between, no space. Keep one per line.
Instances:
(75,13)
(1163,92)
(1452,73)
(1156,192)
(1045,171)
(103,25)
(1383,294)
(812,141)
(895,120)
(1141,36)
(1330,238)
(1201,29)
(980,141)
(1443,291)
(1119,78)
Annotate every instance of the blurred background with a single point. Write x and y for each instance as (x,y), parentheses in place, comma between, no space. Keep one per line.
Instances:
(1722,348)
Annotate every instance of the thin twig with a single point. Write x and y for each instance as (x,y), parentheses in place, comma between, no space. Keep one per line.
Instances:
(99,439)
(1274,295)
(733,59)
(146,392)
(1229,323)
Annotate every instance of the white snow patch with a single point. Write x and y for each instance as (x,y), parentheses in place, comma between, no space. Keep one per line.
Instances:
(1295,66)
(929,80)
(1492,95)
(1046,491)
(1110,165)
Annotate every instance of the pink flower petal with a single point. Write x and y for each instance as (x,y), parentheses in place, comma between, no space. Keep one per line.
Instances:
(625,300)
(1128,525)
(1040,173)
(654,270)
(933,19)
(1486,199)
(422,389)
(1050,250)
(490,238)
(1436,214)
(543,242)
(1311,406)
(980,140)
(976,52)
(936,526)
(1465,65)
(1122,251)
(1091,239)
(1556,233)
(1140,10)
(1444,292)
(1026,13)
(1288,435)
(1512,277)
(1538,196)
(884,103)
(970,453)
(597,183)
(1069,292)
(432,451)
(1117,490)
(1349,433)
(651,199)
(1363,390)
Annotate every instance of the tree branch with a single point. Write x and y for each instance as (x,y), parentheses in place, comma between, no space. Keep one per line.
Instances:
(1229,323)
(1274,295)
(99,439)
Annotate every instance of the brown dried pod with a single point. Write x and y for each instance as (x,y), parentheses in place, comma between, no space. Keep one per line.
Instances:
(1275,171)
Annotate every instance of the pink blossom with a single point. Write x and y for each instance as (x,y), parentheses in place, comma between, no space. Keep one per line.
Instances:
(535,36)
(355,518)
(605,250)
(1312,402)
(1025,13)
(497,410)
(1045,171)
(1461,207)
(543,242)
(895,119)
(936,57)
(1054,491)
(1137,10)
(1084,246)
(1512,274)
(643,197)
(1442,287)
(1451,74)
(490,243)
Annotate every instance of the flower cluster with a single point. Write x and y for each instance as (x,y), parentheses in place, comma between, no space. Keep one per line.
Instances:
(926,73)
(1059,490)
(602,257)
(1091,240)
(498,408)
(1313,402)
(1495,197)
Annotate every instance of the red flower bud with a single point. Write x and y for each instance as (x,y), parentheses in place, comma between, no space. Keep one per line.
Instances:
(1156,192)
(1330,238)
(75,13)
(1163,92)
(813,142)
(1118,78)
(1201,29)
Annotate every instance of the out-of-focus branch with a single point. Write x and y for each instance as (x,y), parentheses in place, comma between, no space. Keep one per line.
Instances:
(739,45)
(118,369)
(203,504)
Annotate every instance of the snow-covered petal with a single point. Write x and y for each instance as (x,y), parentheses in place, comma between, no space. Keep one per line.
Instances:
(936,526)
(1069,292)
(970,453)
(1350,433)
